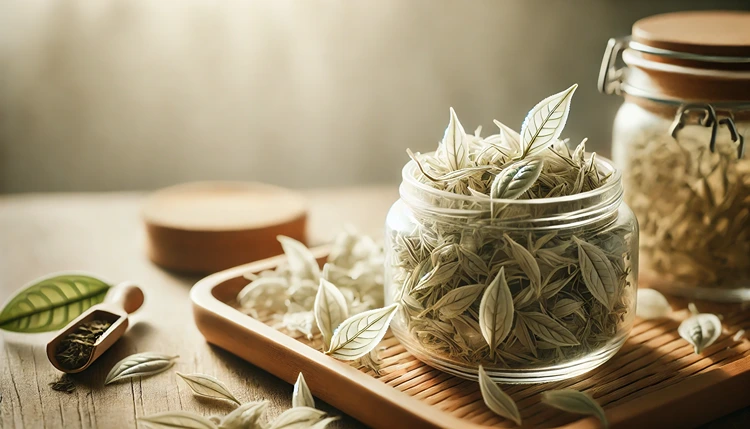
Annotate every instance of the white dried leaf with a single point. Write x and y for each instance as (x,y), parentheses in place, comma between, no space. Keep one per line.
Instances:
(545,122)
(269,293)
(528,263)
(496,311)
(458,300)
(302,262)
(330,309)
(177,420)
(297,418)
(516,179)
(454,145)
(359,334)
(140,365)
(301,396)
(509,136)
(497,400)
(246,416)
(208,387)
(576,402)
(548,329)
(597,272)
(700,330)
(651,305)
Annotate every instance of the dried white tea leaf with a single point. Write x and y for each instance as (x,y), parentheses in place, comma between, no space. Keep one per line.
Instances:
(700,330)
(496,311)
(329,309)
(301,396)
(548,329)
(302,263)
(510,137)
(738,335)
(140,365)
(247,415)
(297,418)
(361,333)
(516,179)
(576,402)
(177,420)
(598,272)
(527,262)
(652,305)
(497,400)
(208,386)
(545,122)
(454,147)
(458,300)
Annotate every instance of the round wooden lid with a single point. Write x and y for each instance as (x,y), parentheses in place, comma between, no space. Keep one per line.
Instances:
(205,227)
(717,33)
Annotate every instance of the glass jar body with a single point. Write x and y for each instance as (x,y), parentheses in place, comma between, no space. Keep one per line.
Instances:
(693,205)
(439,266)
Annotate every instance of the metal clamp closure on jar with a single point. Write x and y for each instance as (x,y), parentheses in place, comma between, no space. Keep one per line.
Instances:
(613,79)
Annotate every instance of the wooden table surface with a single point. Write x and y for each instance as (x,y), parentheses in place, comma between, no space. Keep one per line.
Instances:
(103,234)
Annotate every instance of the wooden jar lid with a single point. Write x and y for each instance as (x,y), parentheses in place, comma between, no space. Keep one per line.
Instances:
(701,56)
(205,227)
(717,33)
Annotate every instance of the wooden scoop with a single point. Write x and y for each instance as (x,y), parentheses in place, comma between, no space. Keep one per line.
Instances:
(125,296)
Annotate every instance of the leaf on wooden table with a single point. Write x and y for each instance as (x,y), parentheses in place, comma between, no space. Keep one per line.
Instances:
(496,311)
(208,387)
(140,365)
(297,418)
(50,303)
(548,329)
(329,309)
(597,272)
(301,261)
(516,179)
(359,334)
(177,420)
(545,122)
(651,305)
(497,400)
(458,300)
(245,416)
(700,330)
(301,396)
(576,402)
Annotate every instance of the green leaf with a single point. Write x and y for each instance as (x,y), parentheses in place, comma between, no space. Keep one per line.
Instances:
(51,303)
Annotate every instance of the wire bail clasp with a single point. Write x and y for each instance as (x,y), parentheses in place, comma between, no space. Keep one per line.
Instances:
(610,75)
(707,118)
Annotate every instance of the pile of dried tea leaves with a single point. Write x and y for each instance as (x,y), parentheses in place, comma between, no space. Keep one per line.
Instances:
(693,207)
(75,348)
(287,293)
(475,292)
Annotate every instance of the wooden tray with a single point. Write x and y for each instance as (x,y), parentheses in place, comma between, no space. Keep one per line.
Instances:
(655,380)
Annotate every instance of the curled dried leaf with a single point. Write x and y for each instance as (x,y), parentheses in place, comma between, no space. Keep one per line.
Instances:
(301,396)
(208,387)
(140,365)
(651,305)
(177,420)
(700,330)
(497,400)
(301,261)
(576,402)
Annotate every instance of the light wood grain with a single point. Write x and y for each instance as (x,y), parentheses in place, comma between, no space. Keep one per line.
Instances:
(103,234)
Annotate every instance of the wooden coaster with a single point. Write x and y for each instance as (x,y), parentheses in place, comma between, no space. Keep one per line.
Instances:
(204,227)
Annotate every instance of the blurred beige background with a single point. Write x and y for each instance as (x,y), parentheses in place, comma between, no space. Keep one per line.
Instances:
(138,94)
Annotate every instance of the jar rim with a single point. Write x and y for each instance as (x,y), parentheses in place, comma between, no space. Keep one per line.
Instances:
(614,181)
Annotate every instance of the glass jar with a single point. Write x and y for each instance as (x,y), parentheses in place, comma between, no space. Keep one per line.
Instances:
(678,139)
(438,242)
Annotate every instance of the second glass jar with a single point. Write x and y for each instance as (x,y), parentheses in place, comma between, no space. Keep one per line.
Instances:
(569,266)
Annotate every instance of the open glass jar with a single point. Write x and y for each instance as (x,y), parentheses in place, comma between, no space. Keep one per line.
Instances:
(678,138)
(446,248)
